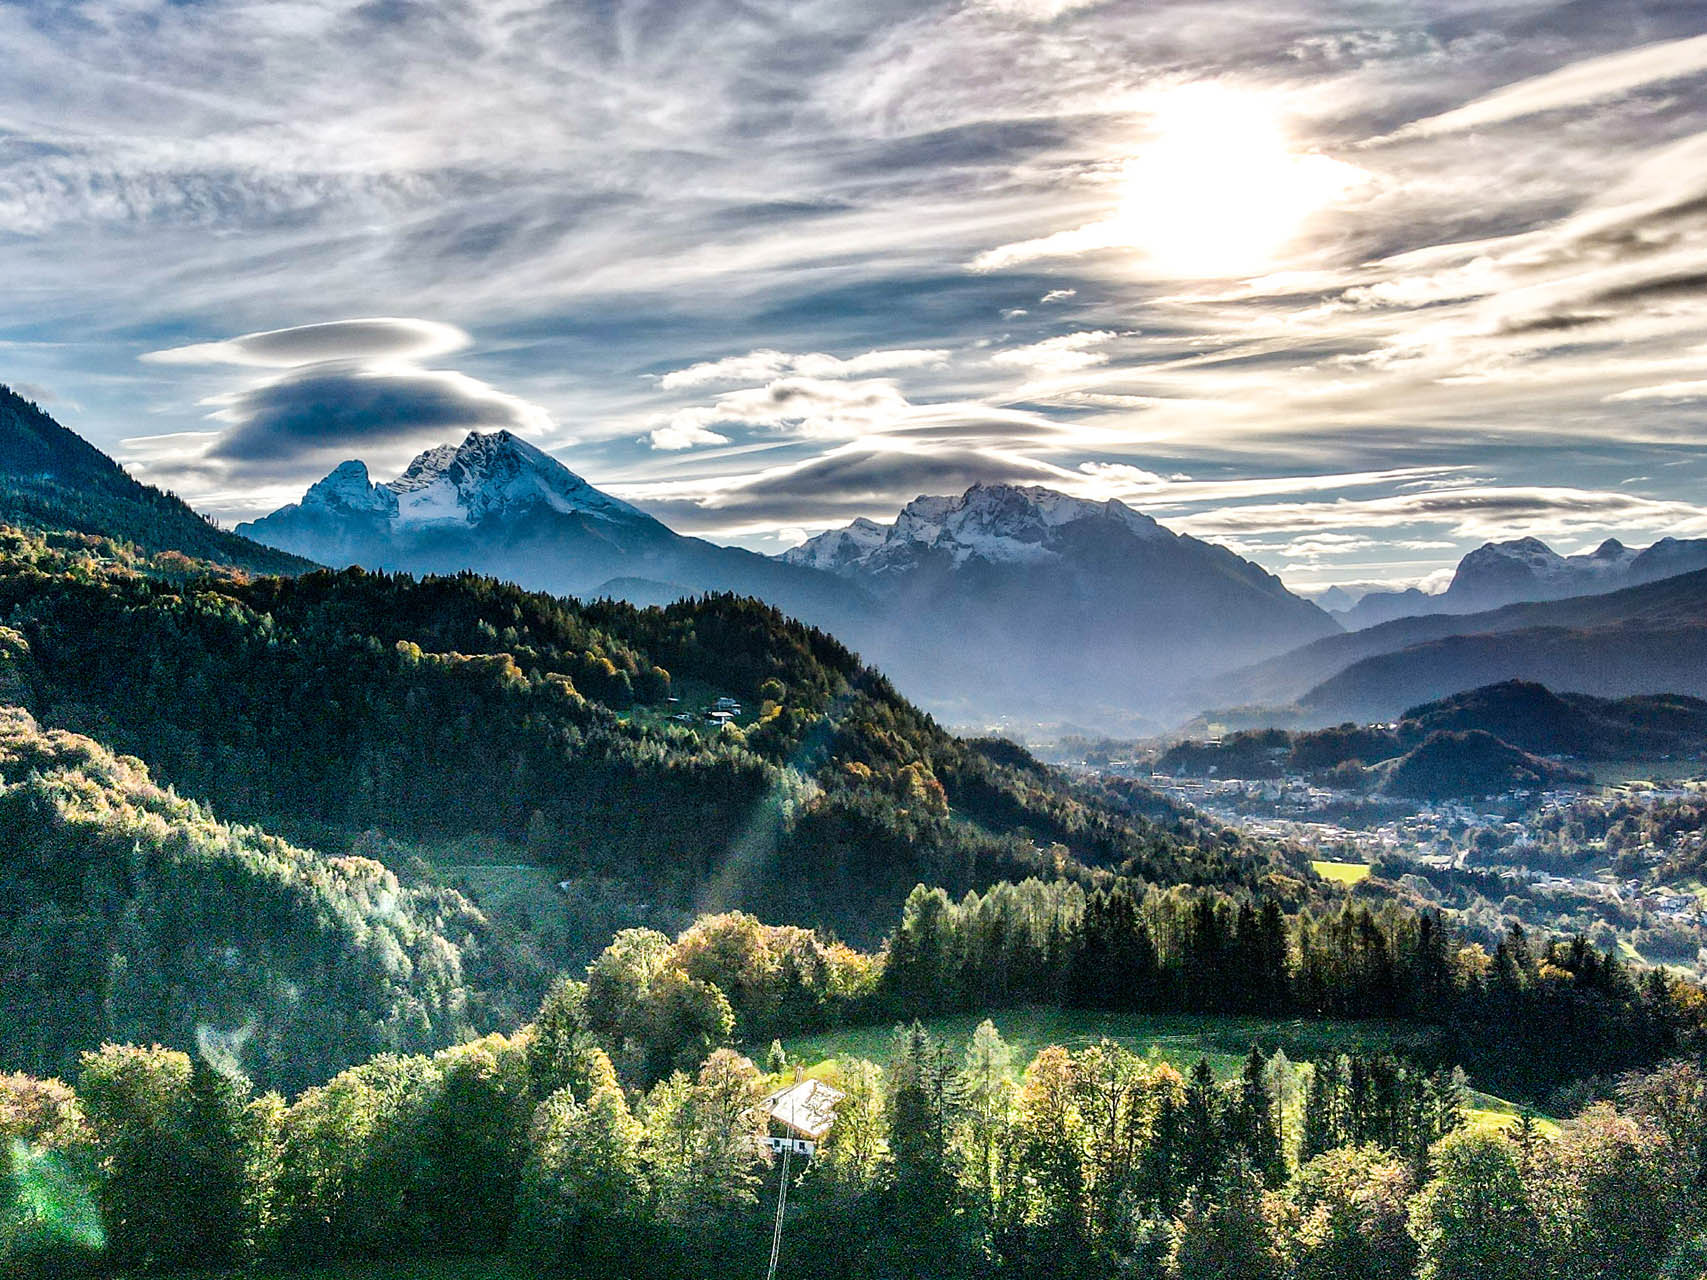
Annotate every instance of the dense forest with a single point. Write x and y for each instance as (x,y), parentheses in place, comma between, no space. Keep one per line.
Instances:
(329,705)
(366,717)
(941,1163)
(129,913)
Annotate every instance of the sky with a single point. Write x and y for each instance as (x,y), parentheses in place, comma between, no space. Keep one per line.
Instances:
(1351,288)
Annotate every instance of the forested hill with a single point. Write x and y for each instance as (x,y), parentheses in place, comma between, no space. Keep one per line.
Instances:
(53,479)
(129,913)
(334,704)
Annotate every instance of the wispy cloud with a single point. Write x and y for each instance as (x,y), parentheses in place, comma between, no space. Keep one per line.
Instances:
(758,366)
(718,257)
(1574,85)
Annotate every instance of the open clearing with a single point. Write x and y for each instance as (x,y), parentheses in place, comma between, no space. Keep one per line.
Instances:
(1178,1038)
(1347,873)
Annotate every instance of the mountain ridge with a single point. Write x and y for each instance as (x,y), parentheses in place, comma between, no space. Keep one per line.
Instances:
(1003,599)
(1636,640)
(53,479)
(1526,569)
(1054,605)
(497,504)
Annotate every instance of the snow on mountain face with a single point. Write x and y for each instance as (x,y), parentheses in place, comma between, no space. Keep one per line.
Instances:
(1529,562)
(347,490)
(836,548)
(999,523)
(487,475)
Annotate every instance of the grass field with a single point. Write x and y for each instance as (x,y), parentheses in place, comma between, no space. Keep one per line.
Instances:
(1347,873)
(1180,1039)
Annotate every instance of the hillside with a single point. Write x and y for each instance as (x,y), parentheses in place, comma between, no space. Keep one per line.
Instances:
(1643,639)
(53,479)
(1533,717)
(128,913)
(1609,662)
(1448,765)
(1527,716)
(333,705)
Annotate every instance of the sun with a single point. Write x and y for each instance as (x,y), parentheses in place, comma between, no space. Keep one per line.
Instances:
(1218,189)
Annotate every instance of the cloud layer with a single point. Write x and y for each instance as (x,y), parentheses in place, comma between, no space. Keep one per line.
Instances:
(335,390)
(1350,287)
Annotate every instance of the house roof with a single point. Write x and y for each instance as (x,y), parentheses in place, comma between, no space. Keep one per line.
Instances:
(808,1108)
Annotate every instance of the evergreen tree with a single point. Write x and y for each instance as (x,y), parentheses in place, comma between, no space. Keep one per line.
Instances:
(1254,1127)
(1201,1132)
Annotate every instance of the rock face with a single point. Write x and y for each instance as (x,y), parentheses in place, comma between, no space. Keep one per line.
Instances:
(996,523)
(1502,573)
(839,548)
(496,477)
(1055,607)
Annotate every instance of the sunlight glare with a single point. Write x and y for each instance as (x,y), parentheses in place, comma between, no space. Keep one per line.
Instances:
(1218,191)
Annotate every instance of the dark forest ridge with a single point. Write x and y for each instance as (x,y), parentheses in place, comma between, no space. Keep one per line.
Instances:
(51,478)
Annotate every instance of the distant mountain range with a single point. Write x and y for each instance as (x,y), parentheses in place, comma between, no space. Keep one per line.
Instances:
(1002,600)
(1502,573)
(1639,640)
(496,504)
(1053,607)
(51,478)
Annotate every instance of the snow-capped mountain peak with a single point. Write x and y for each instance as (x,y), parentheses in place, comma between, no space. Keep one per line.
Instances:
(486,475)
(834,548)
(347,490)
(998,523)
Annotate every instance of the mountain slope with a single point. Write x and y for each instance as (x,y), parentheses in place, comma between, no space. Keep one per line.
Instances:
(1526,569)
(53,479)
(335,705)
(498,505)
(1529,717)
(127,913)
(1643,639)
(1609,661)
(1533,717)
(1051,606)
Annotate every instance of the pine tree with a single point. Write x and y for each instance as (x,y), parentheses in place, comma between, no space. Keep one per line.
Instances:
(1258,1133)
(1201,1137)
